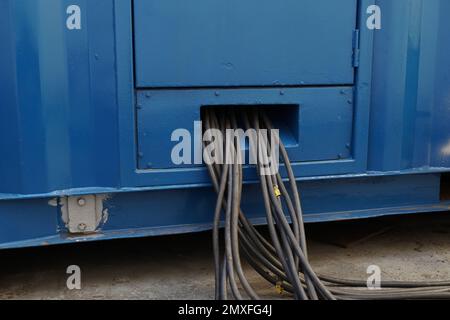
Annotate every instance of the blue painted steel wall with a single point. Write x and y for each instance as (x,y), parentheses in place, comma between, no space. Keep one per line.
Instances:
(135,214)
(410,110)
(58,114)
(216,43)
(68,124)
(313,111)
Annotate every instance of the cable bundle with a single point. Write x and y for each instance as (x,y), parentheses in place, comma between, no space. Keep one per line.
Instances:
(282,259)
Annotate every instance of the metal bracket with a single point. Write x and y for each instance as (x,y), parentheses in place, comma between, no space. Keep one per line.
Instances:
(82,214)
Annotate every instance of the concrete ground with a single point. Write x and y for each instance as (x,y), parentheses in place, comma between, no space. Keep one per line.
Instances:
(180,267)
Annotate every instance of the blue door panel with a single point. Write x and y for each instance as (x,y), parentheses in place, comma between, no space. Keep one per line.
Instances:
(316,123)
(243,43)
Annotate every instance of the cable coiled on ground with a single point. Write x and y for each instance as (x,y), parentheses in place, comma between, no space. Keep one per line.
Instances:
(282,258)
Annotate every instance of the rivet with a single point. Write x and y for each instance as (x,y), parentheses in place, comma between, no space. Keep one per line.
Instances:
(81,202)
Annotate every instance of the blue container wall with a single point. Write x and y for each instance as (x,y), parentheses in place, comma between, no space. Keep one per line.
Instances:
(59,116)
(58,108)
(70,122)
(410,109)
(216,43)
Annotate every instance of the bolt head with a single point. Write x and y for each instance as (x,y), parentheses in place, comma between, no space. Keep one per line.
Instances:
(82,227)
(81,202)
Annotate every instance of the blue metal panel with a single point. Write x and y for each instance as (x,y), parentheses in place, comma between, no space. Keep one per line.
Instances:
(68,115)
(243,43)
(58,106)
(325,114)
(321,200)
(137,214)
(411,85)
(10,169)
(440,85)
(191,178)
(27,220)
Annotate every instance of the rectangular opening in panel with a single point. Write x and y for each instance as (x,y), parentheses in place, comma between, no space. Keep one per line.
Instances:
(283,117)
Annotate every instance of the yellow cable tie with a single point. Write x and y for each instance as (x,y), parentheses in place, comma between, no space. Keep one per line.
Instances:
(279,287)
(277,191)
